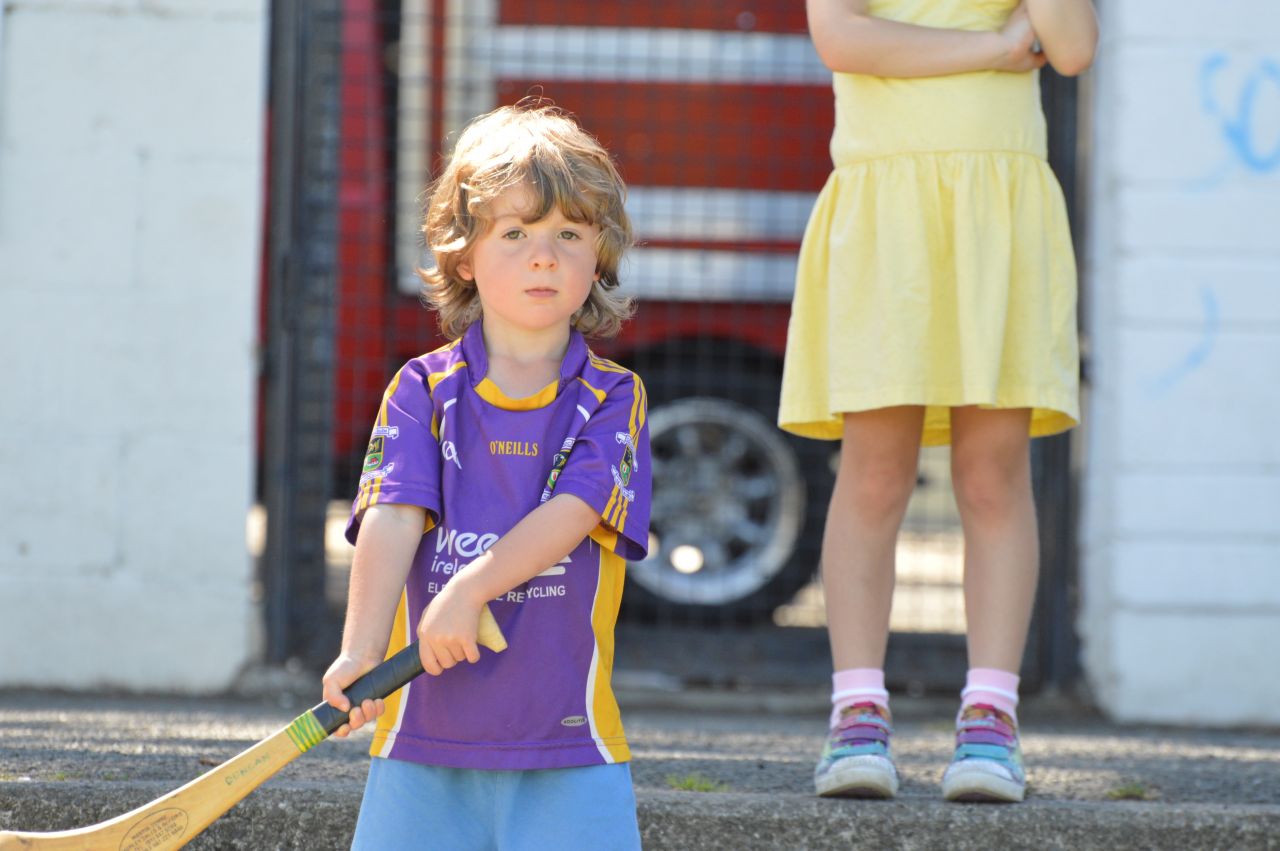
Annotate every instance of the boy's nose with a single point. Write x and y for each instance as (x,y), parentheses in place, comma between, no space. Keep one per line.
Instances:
(543,255)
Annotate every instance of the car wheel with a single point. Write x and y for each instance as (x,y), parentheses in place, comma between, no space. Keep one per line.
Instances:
(733,531)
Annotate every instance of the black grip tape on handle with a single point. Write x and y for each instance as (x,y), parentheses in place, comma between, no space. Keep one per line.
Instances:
(378,683)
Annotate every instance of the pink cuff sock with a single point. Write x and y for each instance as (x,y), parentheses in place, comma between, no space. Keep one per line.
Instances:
(992,687)
(857,685)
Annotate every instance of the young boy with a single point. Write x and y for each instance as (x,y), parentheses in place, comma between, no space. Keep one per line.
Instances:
(510,467)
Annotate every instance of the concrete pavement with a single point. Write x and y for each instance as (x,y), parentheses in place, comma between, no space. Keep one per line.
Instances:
(71,760)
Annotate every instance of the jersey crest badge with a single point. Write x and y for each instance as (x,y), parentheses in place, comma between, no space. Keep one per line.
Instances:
(628,464)
(373,456)
(557,466)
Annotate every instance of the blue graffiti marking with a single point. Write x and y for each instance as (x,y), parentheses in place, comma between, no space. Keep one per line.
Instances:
(1196,357)
(1215,63)
(1239,129)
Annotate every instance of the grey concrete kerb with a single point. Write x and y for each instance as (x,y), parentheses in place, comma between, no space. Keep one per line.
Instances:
(69,761)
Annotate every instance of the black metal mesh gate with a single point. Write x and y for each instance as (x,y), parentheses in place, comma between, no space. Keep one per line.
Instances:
(719,116)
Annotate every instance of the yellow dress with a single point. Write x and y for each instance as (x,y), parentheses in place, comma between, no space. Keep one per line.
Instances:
(937,267)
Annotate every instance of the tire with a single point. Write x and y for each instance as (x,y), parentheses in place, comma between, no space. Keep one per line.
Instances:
(738,505)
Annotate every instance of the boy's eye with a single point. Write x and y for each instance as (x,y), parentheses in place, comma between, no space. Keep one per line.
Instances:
(570,234)
(513,234)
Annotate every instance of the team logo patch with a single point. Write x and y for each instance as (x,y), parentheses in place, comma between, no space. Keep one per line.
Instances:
(628,464)
(373,456)
(628,495)
(557,466)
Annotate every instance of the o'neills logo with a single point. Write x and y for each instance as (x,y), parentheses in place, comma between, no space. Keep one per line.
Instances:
(513,447)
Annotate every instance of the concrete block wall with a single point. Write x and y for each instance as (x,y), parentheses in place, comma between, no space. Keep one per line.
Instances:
(1181,499)
(131,176)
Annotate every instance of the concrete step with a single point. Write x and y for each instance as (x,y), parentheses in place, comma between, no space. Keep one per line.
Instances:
(71,761)
(321,816)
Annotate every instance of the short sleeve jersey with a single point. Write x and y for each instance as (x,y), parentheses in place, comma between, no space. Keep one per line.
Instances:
(449,440)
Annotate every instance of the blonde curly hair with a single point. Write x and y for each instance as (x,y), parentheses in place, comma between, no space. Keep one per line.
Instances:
(539,146)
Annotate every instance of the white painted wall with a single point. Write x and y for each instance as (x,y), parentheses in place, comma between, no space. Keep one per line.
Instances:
(1181,501)
(131,167)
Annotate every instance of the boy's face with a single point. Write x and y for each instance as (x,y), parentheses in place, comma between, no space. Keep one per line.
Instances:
(531,276)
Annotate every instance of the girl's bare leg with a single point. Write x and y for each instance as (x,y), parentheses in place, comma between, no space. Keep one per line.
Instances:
(877,474)
(991,474)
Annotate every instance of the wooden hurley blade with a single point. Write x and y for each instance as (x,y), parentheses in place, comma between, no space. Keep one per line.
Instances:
(170,822)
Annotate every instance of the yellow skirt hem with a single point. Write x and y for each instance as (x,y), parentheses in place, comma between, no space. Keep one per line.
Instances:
(1051,412)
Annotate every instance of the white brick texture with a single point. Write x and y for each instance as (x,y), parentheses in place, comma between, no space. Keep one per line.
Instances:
(1181,496)
(131,165)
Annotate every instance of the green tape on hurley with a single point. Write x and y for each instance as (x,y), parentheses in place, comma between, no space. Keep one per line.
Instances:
(306,732)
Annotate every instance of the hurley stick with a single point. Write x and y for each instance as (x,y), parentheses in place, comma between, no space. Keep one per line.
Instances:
(172,821)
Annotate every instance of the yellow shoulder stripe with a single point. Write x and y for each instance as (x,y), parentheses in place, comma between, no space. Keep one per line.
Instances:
(595,391)
(436,377)
(605,365)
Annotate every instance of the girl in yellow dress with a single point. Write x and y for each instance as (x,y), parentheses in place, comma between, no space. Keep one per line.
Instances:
(935,303)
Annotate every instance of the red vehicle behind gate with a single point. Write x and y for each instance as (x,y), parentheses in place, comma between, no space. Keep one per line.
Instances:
(719,115)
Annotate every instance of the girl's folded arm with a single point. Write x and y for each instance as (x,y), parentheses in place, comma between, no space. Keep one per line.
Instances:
(851,40)
(1068,33)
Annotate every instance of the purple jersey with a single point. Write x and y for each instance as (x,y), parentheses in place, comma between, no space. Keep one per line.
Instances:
(449,440)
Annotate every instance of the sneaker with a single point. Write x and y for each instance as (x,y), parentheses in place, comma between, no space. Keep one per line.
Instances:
(987,765)
(855,761)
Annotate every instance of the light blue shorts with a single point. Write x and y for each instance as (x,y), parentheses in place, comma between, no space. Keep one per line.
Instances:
(410,806)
